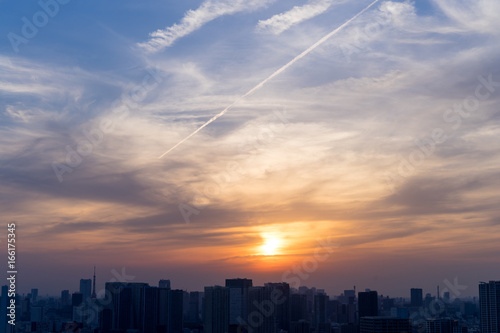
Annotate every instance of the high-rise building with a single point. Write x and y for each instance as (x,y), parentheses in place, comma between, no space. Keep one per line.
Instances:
(238,301)
(280,298)
(194,306)
(175,307)
(216,312)
(489,306)
(150,310)
(34,295)
(65,297)
(85,289)
(320,307)
(417,298)
(444,325)
(261,311)
(384,325)
(367,304)
(164,284)
(127,303)
(298,307)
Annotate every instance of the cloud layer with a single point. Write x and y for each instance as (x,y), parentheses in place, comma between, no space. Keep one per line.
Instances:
(340,145)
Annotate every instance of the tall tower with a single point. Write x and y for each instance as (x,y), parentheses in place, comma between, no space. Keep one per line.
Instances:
(93,287)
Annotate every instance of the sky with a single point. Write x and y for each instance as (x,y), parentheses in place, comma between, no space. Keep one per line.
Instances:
(317,142)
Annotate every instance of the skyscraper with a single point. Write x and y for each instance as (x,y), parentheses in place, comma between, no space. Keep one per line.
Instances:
(164,284)
(489,306)
(416,297)
(150,309)
(85,288)
(126,303)
(194,306)
(298,307)
(238,301)
(65,297)
(34,294)
(261,309)
(320,309)
(175,307)
(216,313)
(367,304)
(280,297)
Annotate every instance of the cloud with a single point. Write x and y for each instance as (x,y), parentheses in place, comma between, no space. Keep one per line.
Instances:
(284,21)
(315,174)
(475,15)
(195,19)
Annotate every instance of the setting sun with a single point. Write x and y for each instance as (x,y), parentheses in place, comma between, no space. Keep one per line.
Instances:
(270,245)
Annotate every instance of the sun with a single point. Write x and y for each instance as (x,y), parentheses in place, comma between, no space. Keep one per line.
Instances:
(271,244)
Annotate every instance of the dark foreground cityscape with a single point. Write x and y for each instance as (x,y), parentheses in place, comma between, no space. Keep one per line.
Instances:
(239,306)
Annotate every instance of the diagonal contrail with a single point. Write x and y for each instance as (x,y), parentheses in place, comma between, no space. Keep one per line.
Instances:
(279,71)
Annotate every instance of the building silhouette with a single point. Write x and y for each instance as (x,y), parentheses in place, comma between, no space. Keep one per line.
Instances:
(367,304)
(195,306)
(85,288)
(320,310)
(238,301)
(417,298)
(489,306)
(280,298)
(298,308)
(216,312)
(444,325)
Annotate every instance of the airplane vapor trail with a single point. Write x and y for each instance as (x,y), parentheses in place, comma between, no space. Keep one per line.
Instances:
(276,73)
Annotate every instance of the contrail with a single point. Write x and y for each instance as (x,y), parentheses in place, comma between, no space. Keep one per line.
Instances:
(279,71)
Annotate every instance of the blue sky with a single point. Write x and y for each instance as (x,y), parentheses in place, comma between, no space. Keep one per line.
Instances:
(384,137)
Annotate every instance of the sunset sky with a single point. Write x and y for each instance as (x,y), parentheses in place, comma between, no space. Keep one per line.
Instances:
(373,160)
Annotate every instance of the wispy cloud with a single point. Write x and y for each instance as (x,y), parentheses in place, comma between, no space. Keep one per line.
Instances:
(284,21)
(479,16)
(195,19)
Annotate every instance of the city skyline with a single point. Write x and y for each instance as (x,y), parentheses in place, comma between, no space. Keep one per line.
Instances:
(454,288)
(330,143)
(241,306)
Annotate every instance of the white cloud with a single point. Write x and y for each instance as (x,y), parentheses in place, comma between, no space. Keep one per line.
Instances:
(281,22)
(476,15)
(195,19)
